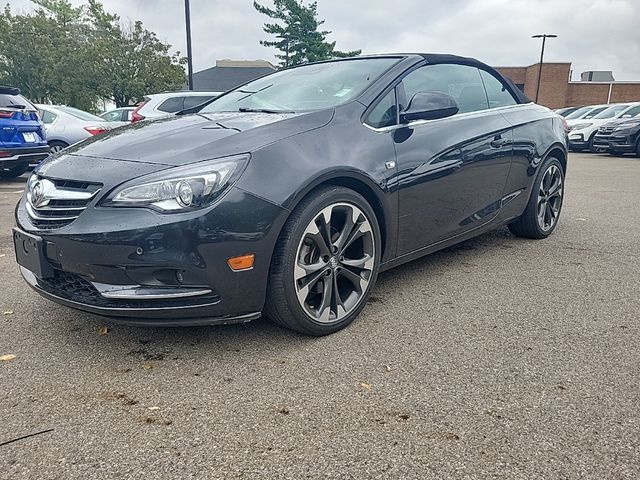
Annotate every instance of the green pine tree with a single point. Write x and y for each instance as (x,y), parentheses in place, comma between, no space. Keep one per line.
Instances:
(297,35)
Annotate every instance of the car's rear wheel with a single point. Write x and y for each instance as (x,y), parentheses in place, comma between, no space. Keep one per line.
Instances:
(638,146)
(14,171)
(55,146)
(325,263)
(545,203)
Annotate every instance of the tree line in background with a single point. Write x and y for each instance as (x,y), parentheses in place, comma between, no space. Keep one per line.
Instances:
(83,55)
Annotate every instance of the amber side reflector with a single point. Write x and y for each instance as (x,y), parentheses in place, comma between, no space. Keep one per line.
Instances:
(243,262)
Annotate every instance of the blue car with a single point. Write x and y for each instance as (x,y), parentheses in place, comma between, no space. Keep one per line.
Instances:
(22,135)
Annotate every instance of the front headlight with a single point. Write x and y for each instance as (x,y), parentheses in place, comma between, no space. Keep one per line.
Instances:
(580,126)
(180,189)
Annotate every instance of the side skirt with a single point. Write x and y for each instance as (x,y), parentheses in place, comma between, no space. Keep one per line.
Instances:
(492,225)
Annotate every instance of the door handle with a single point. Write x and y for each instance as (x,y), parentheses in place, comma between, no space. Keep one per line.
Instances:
(499,141)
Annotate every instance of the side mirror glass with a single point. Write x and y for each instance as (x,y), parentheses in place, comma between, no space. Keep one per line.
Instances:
(429,106)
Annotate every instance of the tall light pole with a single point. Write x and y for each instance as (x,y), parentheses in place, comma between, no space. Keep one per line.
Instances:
(544,37)
(187,17)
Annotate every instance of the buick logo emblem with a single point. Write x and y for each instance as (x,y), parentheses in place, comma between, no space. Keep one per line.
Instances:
(37,194)
(333,262)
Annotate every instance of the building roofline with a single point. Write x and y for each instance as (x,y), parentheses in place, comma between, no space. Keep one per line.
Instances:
(615,82)
(533,65)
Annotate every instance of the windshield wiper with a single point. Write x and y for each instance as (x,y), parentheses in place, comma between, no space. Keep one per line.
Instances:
(262,110)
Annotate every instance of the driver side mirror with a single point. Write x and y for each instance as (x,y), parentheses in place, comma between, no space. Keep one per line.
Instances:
(429,106)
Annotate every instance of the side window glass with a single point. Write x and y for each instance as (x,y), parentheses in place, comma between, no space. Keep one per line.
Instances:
(112,116)
(47,117)
(384,114)
(462,82)
(497,93)
(172,105)
(194,101)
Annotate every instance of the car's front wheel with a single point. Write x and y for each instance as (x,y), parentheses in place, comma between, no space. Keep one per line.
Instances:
(545,203)
(325,263)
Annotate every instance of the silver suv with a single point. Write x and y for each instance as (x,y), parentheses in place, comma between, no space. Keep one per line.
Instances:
(169,103)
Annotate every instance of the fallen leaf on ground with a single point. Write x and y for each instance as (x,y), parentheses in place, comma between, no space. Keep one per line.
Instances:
(8,312)
(104,330)
(365,386)
(154,408)
(388,368)
(7,358)
(147,366)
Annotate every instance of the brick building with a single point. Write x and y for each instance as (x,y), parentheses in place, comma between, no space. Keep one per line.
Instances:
(558,91)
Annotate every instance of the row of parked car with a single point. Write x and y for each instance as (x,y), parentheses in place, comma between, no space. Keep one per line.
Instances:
(612,128)
(30,132)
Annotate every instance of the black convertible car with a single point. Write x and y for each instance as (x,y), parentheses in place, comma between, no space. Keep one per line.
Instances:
(288,195)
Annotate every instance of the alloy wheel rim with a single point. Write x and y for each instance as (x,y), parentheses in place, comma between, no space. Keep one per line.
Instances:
(55,148)
(334,262)
(550,198)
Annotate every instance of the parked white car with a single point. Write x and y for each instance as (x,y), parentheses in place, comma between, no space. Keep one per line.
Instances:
(67,125)
(165,104)
(582,131)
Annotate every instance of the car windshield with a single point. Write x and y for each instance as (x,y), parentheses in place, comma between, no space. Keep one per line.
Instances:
(81,114)
(579,113)
(611,111)
(309,87)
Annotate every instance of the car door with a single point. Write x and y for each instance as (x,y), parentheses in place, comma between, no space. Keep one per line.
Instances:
(451,171)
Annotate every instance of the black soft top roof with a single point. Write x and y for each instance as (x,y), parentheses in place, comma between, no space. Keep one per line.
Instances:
(446,58)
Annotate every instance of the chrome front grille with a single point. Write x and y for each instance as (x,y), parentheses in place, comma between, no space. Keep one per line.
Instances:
(606,129)
(53,203)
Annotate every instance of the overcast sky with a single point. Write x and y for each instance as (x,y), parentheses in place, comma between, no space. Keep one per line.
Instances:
(593,34)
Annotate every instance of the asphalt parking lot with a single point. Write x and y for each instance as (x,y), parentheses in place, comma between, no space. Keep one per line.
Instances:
(498,358)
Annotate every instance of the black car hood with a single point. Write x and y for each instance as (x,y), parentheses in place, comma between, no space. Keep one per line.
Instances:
(180,140)
(625,122)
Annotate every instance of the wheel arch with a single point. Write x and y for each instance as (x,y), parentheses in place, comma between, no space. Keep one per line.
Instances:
(558,151)
(365,186)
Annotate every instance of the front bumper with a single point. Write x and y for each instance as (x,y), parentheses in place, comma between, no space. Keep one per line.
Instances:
(577,141)
(140,267)
(615,142)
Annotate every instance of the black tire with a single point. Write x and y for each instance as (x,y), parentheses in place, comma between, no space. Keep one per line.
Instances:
(638,147)
(14,172)
(591,147)
(57,145)
(528,224)
(283,305)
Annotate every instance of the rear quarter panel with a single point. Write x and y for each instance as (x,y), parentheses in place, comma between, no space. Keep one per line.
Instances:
(536,132)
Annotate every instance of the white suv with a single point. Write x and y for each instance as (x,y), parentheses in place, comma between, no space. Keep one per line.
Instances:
(582,131)
(166,104)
